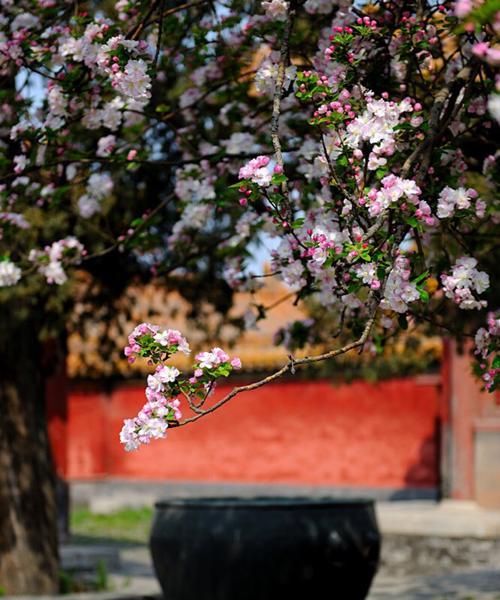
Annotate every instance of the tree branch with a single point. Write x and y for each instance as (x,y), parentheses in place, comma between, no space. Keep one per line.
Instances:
(278,94)
(289,367)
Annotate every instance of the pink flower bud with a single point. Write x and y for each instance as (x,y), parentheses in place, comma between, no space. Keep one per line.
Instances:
(236,363)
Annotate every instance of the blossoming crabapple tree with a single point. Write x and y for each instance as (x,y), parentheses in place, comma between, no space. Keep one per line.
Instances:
(357,141)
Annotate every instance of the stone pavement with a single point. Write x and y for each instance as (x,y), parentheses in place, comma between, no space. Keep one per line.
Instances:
(448,518)
(131,577)
(135,579)
(482,584)
(473,585)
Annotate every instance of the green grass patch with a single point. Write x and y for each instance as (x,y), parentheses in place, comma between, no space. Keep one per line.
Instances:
(129,525)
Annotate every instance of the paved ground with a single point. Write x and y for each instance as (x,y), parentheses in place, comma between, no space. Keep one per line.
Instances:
(475,585)
(132,577)
(449,518)
(482,584)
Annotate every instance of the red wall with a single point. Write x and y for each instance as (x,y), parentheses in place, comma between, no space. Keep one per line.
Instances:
(362,434)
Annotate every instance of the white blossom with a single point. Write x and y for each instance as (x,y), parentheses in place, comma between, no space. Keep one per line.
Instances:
(10,273)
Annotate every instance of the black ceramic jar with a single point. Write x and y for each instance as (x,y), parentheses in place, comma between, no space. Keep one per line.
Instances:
(265,548)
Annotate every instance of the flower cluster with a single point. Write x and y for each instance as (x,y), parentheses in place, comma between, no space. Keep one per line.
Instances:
(465,283)
(166,384)
(51,260)
(134,80)
(367,272)
(128,75)
(256,171)
(487,341)
(450,201)
(275,9)
(157,344)
(399,290)
(151,423)
(15,219)
(10,273)
(393,191)
(377,125)
(213,360)
(99,186)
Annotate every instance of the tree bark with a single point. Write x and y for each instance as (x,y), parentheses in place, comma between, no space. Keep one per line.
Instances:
(28,517)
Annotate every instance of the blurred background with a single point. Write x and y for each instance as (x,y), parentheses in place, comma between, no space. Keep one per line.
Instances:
(408,424)
(409,428)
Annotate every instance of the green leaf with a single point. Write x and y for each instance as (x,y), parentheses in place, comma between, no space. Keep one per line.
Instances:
(421,277)
(279,179)
(424,294)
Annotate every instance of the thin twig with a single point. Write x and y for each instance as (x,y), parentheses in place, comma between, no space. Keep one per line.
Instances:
(278,94)
(194,407)
(138,229)
(134,33)
(160,31)
(175,9)
(280,301)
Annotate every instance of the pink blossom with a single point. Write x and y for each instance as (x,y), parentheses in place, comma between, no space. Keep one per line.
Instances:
(465,282)
(106,145)
(256,171)
(276,9)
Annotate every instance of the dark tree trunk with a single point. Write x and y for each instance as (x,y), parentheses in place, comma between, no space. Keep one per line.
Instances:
(28,516)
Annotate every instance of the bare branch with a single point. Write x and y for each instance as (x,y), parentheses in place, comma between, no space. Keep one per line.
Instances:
(160,32)
(135,32)
(278,94)
(289,367)
(175,9)
(148,218)
(280,301)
